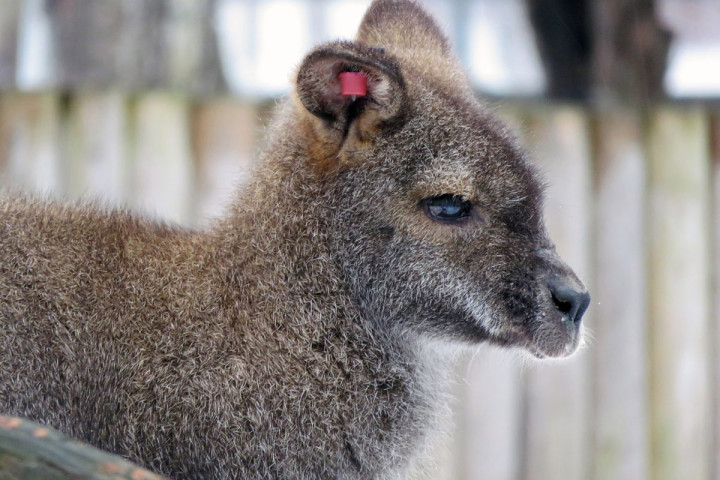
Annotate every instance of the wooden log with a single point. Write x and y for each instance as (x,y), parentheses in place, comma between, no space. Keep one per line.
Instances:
(224,139)
(32,451)
(96,147)
(557,402)
(161,157)
(30,156)
(619,350)
(679,272)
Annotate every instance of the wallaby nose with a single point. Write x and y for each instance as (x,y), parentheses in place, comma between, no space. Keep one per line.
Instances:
(569,301)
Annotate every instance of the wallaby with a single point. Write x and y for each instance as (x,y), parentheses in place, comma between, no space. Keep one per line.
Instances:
(301,336)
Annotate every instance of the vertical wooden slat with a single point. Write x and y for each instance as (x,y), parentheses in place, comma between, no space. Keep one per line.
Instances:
(442,460)
(491,417)
(679,293)
(96,146)
(236,31)
(557,401)
(162,161)
(619,349)
(141,48)
(487,439)
(184,36)
(209,78)
(30,142)
(224,134)
(492,410)
(715,317)
(85,36)
(35,67)
(5,138)
(630,45)
(9,21)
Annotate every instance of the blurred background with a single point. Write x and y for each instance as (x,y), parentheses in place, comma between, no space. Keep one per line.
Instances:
(161,105)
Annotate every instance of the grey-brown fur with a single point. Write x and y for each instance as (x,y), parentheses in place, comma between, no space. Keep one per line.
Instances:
(298,338)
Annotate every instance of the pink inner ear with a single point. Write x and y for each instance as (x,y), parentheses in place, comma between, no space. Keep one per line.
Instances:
(353,83)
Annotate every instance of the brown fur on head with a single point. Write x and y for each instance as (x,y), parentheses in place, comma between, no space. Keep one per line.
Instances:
(420,135)
(290,340)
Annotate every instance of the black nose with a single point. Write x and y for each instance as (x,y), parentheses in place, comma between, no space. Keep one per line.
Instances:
(569,301)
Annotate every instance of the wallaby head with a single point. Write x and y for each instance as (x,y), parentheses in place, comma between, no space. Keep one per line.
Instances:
(436,212)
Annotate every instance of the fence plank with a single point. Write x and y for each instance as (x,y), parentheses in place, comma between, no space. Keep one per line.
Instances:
(9,20)
(441,459)
(489,434)
(162,164)
(224,137)
(85,45)
(620,348)
(491,418)
(131,45)
(557,401)
(92,44)
(192,59)
(96,146)
(715,317)
(143,32)
(210,79)
(679,293)
(35,62)
(30,142)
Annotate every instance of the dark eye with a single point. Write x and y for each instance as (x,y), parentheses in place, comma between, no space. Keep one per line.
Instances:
(446,208)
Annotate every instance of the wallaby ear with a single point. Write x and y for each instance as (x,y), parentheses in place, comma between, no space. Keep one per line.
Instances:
(402,26)
(412,36)
(319,88)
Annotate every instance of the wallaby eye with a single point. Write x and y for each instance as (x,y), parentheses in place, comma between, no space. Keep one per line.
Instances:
(446,208)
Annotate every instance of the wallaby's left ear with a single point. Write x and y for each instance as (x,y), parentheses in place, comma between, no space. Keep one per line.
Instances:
(319,89)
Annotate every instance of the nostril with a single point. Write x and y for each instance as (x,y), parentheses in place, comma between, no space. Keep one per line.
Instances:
(562,305)
(570,302)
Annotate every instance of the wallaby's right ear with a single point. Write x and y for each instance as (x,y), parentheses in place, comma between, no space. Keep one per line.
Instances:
(319,89)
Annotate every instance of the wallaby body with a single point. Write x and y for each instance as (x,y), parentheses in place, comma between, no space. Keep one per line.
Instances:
(199,357)
(296,338)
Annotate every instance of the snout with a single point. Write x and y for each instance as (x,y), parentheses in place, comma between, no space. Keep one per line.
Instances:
(569,300)
(558,333)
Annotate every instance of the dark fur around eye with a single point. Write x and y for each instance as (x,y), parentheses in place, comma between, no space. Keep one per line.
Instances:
(447,208)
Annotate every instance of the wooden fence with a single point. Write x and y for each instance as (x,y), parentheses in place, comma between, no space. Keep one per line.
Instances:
(631,205)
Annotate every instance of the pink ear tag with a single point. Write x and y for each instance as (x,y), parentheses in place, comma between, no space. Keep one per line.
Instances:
(353,83)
